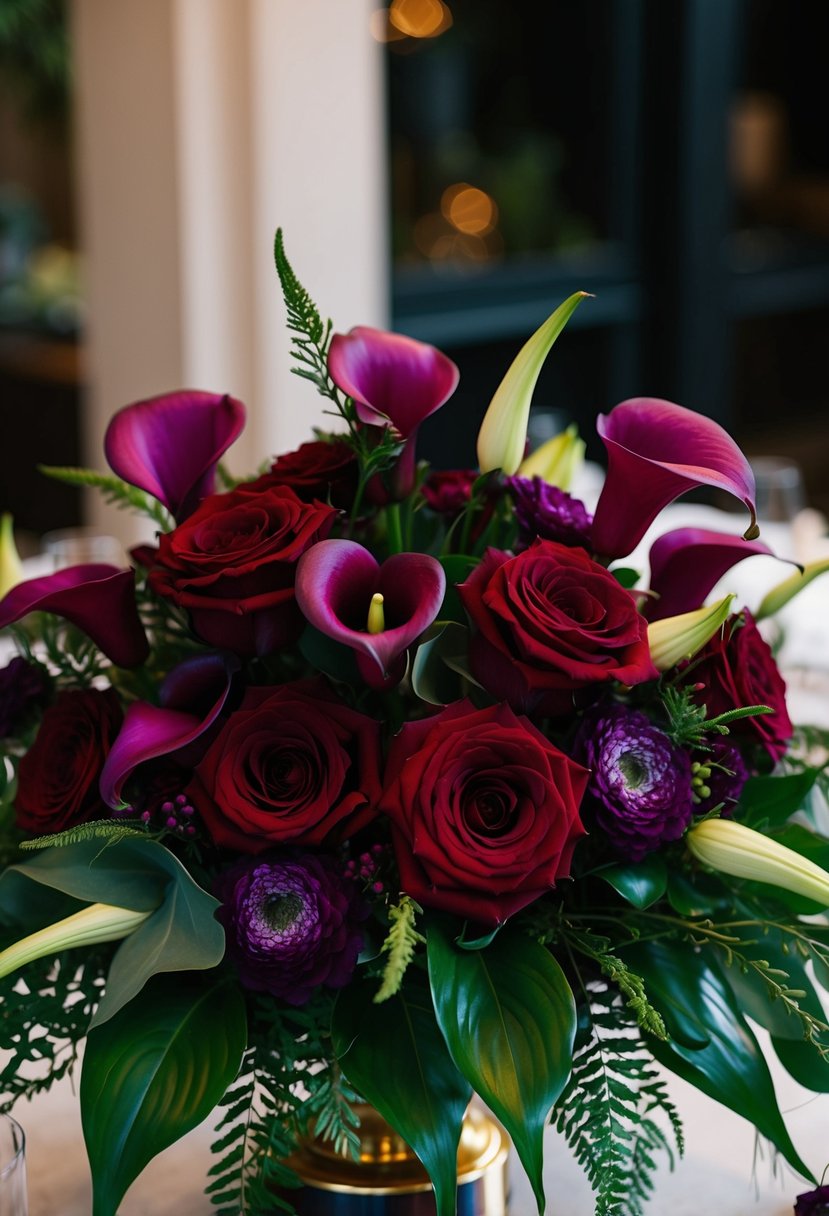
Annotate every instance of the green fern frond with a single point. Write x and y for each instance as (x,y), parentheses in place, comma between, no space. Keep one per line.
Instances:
(303,314)
(630,985)
(110,830)
(115,491)
(400,944)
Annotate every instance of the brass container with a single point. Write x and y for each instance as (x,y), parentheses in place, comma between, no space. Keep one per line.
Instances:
(389,1180)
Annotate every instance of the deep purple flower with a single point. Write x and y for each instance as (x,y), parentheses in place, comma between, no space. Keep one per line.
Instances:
(22,687)
(292,924)
(656,451)
(813,1203)
(335,583)
(99,599)
(170,445)
(722,772)
(395,382)
(550,513)
(687,562)
(640,781)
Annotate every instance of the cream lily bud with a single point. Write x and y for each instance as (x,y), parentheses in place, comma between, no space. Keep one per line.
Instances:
(376,616)
(503,433)
(735,849)
(557,461)
(11,568)
(97,923)
(780,595)
(680,637)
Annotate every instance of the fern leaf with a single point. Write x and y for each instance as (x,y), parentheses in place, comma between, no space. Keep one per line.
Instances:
(303,314)
(109,829)
(400,944)
(115,491)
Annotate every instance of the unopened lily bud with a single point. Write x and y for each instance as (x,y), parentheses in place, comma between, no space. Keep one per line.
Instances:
(503,433)
(11,568)
(680,637)
(734,849)
(97,923)
(780,595)
(557,461)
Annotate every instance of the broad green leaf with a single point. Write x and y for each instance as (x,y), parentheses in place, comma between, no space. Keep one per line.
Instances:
(626,576)
(751,990)
(457,567)
(780,595)
(438,671)
(328,656)
(181,935)
(153,1072)
(641,884)
(803,1061)
(688,988)
(509,1020)
(395,1056)
(770,801)
(703,895)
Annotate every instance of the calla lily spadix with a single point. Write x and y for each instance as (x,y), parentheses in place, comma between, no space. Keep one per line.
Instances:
(99,599)
(687,563)
(557,461)
(337,585)
(90,926)
(741,852)
(11,567)
(657,451)
(170,445)
(503,434)
(681,637)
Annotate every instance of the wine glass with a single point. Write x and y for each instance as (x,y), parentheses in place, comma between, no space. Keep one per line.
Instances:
(12,1168)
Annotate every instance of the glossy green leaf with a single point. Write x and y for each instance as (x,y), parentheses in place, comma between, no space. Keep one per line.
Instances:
(702,894)
(641,884)
(457,567)
(328,656)
(439,673)
(626,576)
(688,988)
(803,1061)
(770,801)
(153,1072)
(181,935)
(395,1056)
(509,1020)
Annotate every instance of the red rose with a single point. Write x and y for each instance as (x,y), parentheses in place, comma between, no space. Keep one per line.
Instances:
(738,669)
(291,765)
(323,469)
(58,776)
(485,811)
(232,563)
(549,622)
(448,491)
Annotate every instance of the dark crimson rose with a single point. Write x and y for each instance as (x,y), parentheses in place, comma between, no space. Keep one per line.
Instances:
(447,491)
(484,811)
(292,923)
(322,469)
(232,563)
(58,776)
(22,686)
(813,1203)
(736,669)
(291,764)
(549,623)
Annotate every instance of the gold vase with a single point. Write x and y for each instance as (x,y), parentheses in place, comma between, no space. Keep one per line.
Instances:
(389,1180)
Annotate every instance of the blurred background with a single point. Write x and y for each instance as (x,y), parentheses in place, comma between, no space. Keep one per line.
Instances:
(448,168)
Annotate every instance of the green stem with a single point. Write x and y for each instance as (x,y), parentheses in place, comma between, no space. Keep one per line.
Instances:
(395,528)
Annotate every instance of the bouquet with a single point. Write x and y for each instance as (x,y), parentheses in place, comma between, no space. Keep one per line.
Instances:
(370,781)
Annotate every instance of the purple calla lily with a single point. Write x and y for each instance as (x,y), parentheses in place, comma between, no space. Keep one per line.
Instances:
(170,445)
(99,599)
(657,451)
(335,583)
(192,697)
(395,382)
(687,563)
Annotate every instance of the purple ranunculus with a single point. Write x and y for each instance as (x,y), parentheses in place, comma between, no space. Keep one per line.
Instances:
(722,773)
(22,687)
(293,922)
(547,512)
(813,1203)
(640,782)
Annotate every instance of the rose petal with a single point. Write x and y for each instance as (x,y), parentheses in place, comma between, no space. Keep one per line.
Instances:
(657,451)
(99,599)
(170,445)
(688,562)
(392,378)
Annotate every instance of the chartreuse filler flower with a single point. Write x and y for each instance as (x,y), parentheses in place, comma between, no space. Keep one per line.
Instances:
(365,782)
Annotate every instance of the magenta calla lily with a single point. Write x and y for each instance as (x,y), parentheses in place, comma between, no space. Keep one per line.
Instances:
(170,445)
(335,583)
(687,563)
(99,599)
(192,698)
(656,452)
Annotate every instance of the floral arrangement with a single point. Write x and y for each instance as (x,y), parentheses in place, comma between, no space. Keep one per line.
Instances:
(369,780)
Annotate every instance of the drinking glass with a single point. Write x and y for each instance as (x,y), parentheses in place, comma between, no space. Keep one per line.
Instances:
(81,546)
(12,1168)
(780,491)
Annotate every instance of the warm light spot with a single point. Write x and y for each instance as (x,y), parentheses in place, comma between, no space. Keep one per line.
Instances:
(420,18)
(469,209)
(381,27)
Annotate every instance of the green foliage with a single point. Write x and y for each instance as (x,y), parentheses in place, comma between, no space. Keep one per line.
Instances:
(687,721)
(35,56)
(642,883)
(615,1112)
(115,491)
(401,942)
(62,651)
(310,335)
(98,829)
(631,986)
